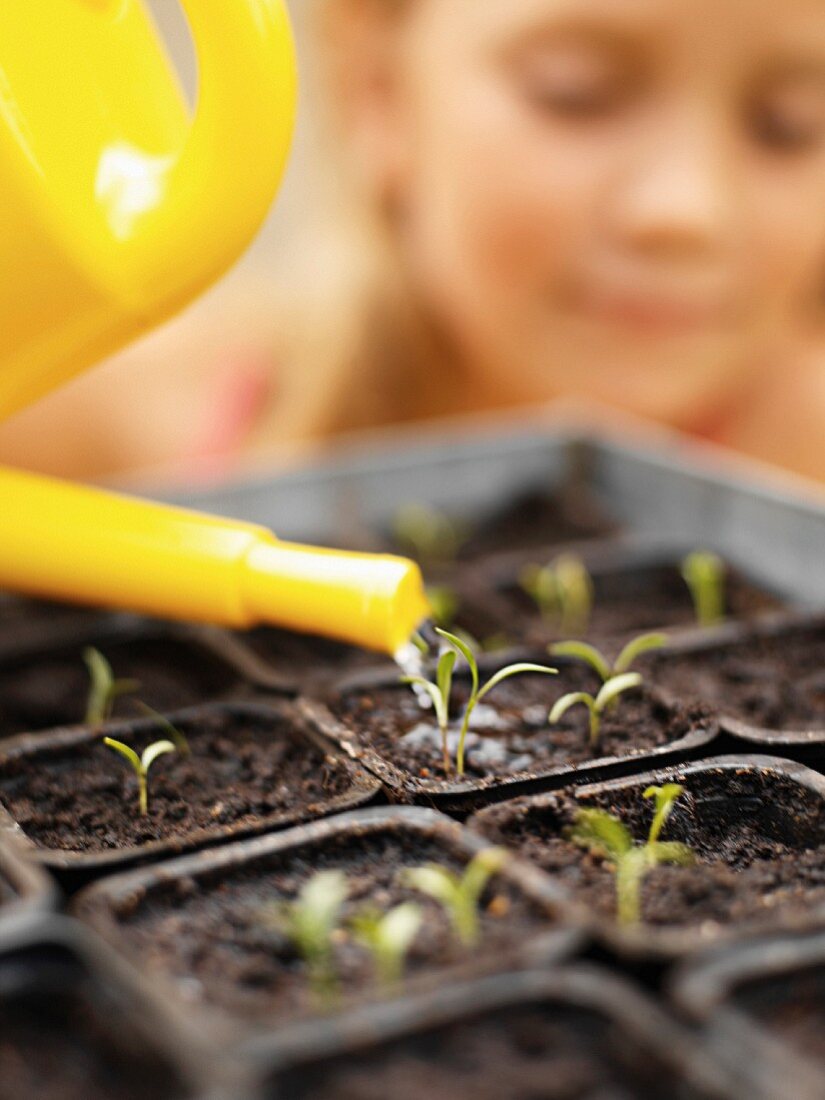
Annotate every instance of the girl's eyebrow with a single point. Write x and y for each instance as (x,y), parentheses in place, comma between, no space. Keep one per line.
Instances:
(796,70)
(614,34)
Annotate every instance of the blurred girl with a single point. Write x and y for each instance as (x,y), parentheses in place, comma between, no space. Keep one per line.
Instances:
(621,200)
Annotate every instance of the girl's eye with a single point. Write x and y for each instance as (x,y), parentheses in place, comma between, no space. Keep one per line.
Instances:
(789,124)
(572,85)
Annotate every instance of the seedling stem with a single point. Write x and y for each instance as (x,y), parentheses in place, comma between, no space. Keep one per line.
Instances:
(141,764)
(460,895)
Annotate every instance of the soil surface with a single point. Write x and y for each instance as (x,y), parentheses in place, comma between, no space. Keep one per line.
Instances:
(629,601)
(56,1046)
(305,659)
(539,519)
(792,1009)
(777,683)
(759,843)
(221,940)
(509,731)
(241,769)
(556,1051)
(51,689)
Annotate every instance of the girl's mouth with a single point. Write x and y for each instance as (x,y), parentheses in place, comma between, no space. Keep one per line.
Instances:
(651,314)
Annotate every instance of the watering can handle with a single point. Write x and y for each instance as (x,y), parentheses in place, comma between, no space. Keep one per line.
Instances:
(221,186)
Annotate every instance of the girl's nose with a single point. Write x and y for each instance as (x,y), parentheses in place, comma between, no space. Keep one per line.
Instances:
(677,193)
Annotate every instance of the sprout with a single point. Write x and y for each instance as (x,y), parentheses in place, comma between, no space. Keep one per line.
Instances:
(439,692)
(180,739)
(596,659)
(104,689)
(704,574)
(388,937)
(427,533)
(597,705)
(459,894)
(604,834)
(310,921)
(563,592)
(141,764)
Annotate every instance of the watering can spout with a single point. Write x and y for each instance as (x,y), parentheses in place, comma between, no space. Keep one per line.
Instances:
(181,220)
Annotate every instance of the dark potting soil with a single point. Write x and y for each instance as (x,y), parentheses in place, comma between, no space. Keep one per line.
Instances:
(219,939)
(509,730)
(759,843)
(49,690)
(56,1046)
(299,656)
(777,683)
(240,769)
(553,1051)
(792,1008)
(629,601)
(538,518)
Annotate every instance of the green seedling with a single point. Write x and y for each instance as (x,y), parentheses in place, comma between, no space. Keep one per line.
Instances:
(388,937)
(704,574)
(141,764)
(428,534)
(310,923)
(179,739)
(104,689)
(596,705)
(439,692)
(562,591)
(460,895)
(604,834)
(583,651)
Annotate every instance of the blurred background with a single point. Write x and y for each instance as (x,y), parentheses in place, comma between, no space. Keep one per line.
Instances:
(543,200)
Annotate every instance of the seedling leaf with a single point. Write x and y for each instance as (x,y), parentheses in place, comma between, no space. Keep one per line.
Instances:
(160,748)
(598,830)
(440,691)
(635,648)
(665,799)
(704,574)
(616,686)
(389,938)
(309,922)
(179,738)
(514,670)
(562,705)
(672,851)
(437,882)
(459,895)
(465,652)
(444,675)
(125,751)
(104,689)
(141,764)
(584,652)
(602,832)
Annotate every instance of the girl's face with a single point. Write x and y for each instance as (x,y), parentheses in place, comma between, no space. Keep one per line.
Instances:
(617,198)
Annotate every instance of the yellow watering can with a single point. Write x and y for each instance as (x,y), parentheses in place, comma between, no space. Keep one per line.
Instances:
(116,210)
